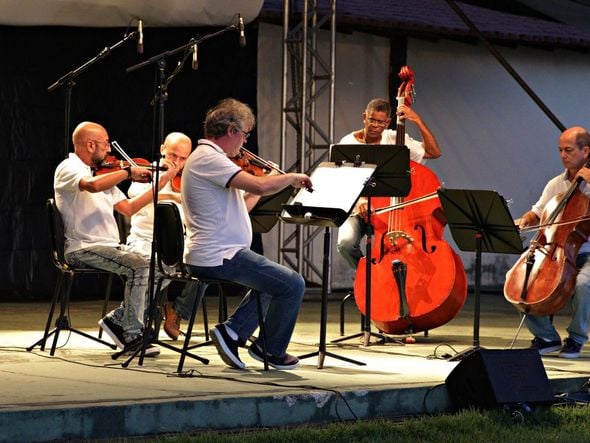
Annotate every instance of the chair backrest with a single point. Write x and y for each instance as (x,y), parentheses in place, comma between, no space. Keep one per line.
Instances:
(169,235)
(56,231)
(123,225)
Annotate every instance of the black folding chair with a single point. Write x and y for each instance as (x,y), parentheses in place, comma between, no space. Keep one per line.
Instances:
(63,287)
(170,250)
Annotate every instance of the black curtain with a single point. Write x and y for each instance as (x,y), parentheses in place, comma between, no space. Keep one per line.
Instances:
(32,120)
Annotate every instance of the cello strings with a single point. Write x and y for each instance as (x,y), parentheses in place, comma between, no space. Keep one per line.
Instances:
(559,223)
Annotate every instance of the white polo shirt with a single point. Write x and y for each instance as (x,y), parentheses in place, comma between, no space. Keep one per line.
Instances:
(218,224)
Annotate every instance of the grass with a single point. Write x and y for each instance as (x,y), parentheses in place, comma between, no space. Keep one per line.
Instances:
(556,424)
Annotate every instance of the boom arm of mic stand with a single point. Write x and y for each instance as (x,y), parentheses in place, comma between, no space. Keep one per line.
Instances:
(79,70)
(192,41)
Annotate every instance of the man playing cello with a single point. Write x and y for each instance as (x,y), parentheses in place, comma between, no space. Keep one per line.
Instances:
(574,150)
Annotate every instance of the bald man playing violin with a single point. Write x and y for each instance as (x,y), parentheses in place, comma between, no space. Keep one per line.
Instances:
(216,196)
(176,149)
(574,150)
(86,203)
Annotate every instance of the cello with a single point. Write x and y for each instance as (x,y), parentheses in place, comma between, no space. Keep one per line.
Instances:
(543,279)
(417,281)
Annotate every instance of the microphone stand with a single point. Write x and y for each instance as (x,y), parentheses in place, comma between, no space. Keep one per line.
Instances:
(160,99)
(68,81)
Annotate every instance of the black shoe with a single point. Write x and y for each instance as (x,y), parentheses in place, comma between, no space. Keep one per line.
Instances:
(136,344)
(226,347)
(570,349)
(113,330)
(287,361)
(545,347)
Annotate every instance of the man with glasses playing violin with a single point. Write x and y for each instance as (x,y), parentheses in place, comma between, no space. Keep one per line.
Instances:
(86,203)
(216,196)
(376,119)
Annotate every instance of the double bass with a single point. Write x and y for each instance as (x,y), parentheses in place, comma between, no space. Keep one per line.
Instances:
(417,281)
(543,279)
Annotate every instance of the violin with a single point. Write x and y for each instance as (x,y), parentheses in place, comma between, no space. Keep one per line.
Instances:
(113,164)
(252,164)
(255,165)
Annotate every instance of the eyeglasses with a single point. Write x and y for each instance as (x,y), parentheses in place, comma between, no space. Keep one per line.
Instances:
(376,122)
(107,143)
(244,133)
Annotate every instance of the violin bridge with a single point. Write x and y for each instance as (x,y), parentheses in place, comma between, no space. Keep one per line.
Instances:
(393,236)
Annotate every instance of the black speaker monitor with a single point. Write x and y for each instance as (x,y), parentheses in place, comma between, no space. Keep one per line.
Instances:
(489,378)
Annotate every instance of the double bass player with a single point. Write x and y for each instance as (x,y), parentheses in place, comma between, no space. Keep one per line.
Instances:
(574,151)
(376,119)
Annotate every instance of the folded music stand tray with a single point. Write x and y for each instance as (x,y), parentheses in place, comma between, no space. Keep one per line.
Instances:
(391,179)
(336,190)
(479,221)
(266,212)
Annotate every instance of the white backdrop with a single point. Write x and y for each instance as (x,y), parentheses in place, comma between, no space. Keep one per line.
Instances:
(492,134)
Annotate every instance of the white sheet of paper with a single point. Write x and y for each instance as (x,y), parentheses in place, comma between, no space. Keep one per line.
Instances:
(335,187)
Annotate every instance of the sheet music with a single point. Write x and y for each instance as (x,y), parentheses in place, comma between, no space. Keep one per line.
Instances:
(335,186)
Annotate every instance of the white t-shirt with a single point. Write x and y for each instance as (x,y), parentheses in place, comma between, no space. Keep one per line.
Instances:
(558,185)
(388,138)
(142,222)
(218,225)
(88,216)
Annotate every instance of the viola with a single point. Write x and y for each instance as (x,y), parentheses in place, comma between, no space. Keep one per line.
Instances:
(417,281)
(543,279)
(175,183)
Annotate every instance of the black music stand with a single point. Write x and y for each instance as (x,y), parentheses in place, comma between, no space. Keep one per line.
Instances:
(336,190)
(391,179)
(265,214)
(479,221)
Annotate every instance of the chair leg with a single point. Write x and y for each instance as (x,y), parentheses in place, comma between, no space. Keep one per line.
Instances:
(185,347)
(54,301)
(105,305)
(262,335)
(222,304)
(205,318)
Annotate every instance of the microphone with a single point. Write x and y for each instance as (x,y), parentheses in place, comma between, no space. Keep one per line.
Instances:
(195,62)
(241,29)
(140,36)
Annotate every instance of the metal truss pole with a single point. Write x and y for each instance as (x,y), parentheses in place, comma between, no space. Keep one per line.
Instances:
(307,120)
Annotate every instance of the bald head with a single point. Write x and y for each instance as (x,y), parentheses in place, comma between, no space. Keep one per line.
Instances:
(175,138)
(87,131)
(576,135)
(176,148)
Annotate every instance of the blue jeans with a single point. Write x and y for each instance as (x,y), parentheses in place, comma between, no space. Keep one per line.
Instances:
(187,299)
(580,321)
(350,234)
(134,267)
(281,291)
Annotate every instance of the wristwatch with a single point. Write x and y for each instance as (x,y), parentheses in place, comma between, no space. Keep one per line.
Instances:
(128,169)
